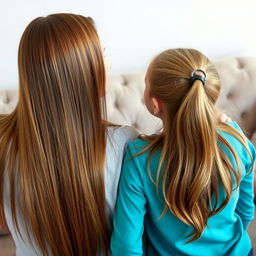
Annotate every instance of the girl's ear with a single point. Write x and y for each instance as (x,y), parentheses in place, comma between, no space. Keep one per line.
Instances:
(157,106)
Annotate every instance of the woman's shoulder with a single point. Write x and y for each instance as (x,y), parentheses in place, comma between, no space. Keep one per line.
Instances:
(119,136)
(122,133)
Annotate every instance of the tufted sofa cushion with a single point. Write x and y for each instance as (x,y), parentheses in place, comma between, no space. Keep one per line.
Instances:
(238,94)
(125,97)
(8,100)
(125,103)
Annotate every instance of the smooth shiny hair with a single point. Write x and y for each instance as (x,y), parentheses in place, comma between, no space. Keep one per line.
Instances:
(192,166)
(52,146)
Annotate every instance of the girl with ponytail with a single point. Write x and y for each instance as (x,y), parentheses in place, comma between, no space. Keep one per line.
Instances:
(189,188)
(60,160)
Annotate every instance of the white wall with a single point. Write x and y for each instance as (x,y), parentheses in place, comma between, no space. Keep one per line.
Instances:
(133,31)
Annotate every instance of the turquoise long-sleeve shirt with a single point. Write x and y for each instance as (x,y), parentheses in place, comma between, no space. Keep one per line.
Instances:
(138,208)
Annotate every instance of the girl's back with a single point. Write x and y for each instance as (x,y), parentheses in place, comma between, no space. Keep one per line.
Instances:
(190,185)
(139,201)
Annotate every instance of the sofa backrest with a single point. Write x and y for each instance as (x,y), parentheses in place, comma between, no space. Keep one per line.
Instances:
(126,106)
(238,94)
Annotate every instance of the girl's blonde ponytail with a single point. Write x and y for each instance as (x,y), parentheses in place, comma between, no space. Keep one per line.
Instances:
(192,165)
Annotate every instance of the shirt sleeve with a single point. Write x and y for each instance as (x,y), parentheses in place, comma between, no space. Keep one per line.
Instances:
(245,206)
(130,210)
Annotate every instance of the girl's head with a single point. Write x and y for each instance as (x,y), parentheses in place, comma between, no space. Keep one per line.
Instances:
(191,166)
(168,81)
(58,137)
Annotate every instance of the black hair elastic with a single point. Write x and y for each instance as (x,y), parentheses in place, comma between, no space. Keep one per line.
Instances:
(197,77)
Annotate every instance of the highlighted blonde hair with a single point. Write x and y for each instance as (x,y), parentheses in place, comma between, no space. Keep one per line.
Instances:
(52,146)
(191,166)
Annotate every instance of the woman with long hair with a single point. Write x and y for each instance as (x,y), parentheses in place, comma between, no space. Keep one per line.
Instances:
(189,188)
(59,160)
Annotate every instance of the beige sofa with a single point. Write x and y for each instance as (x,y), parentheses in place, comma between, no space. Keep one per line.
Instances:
(125,100)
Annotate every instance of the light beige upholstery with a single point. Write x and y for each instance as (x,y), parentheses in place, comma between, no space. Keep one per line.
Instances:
(8,100)
(238,95)
(125,103)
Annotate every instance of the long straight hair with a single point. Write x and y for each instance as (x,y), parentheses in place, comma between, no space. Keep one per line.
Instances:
(192,166)
(52,146)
